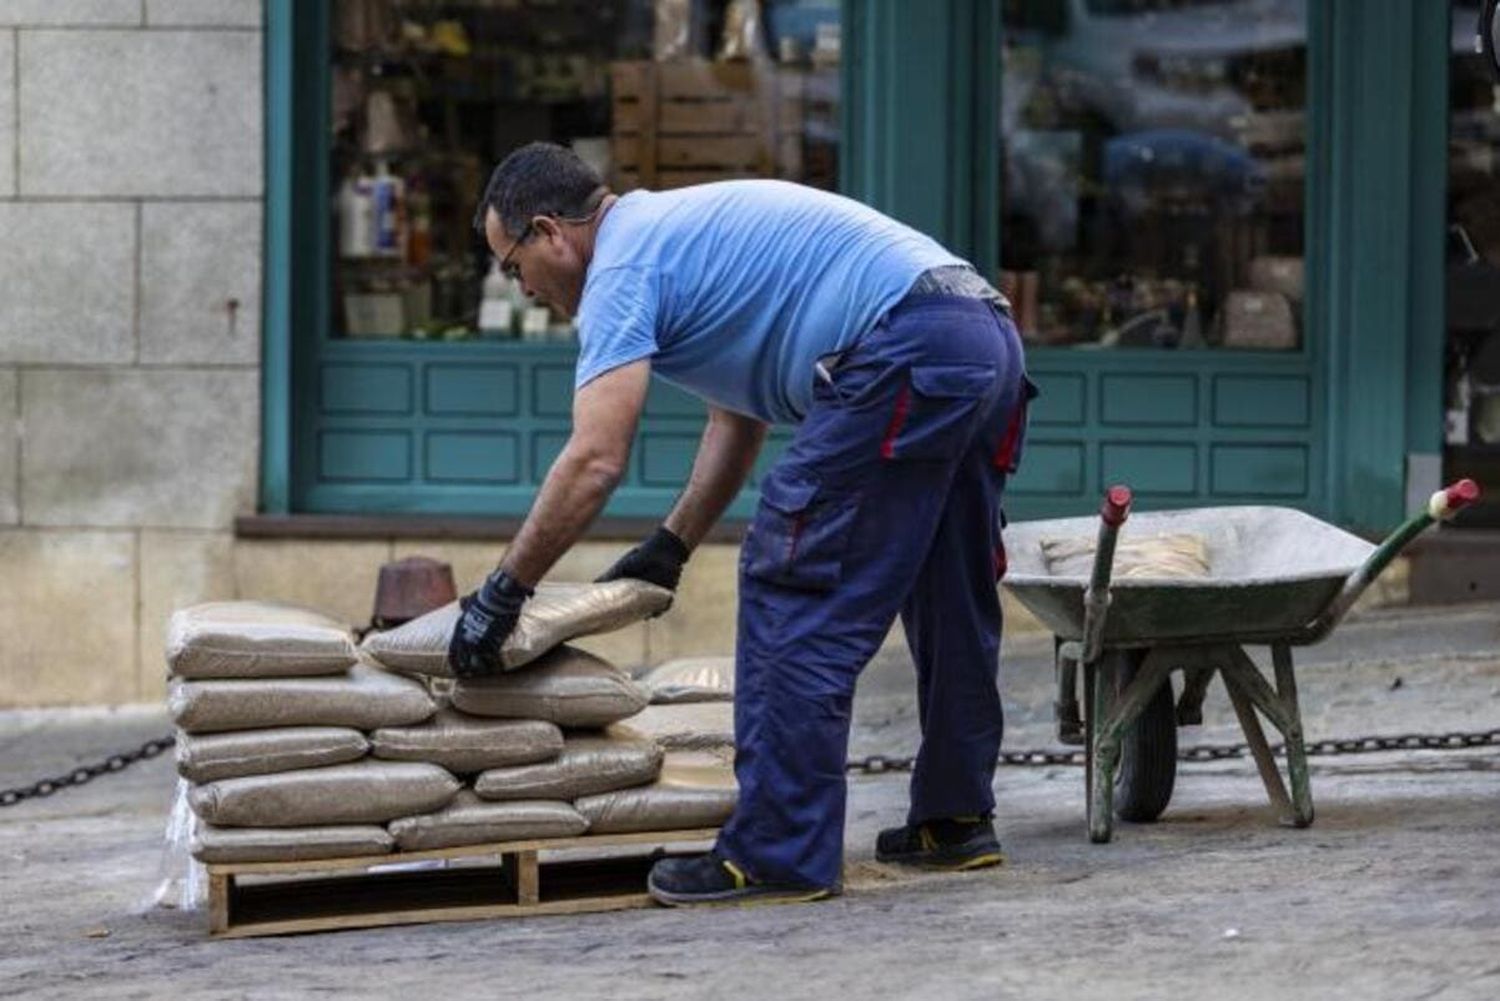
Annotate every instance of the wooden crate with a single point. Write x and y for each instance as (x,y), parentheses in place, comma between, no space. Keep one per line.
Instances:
(692,121)
(282,898)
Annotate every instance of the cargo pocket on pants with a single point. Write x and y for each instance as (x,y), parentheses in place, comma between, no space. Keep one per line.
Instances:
(933,416)
(800,534)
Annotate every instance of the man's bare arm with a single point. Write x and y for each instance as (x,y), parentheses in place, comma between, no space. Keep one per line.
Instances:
(591,465)
(726,454)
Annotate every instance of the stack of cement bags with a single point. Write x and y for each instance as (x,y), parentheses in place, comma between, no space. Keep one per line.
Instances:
(691,706)
(300,745)
(616,778)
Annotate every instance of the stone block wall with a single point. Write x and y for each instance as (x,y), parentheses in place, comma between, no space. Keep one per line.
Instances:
(131,203)
(131,187)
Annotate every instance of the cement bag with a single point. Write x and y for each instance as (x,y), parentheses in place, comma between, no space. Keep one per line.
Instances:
(260,752)
(694,790)
(556,614)
(699,726)
(690,679)
(289,844)
(469,820)
(366,792)
(587,765)
(365,698)
(253,639)
(567,687)
(466,744)
(1183,555)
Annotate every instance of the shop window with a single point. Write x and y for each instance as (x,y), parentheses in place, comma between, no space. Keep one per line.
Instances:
(1154,170)
(427,97)
(1473,263)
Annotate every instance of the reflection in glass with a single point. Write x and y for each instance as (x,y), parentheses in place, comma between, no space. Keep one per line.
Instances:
(1154,164)
(1472,370)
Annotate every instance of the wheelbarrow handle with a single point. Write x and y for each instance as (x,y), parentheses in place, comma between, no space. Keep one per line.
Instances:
(1452,499)
(1443,505)
(1116,506)
(1112,515)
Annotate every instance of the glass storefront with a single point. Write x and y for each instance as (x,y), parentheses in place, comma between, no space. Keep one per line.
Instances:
(1154,172)
(1472,358)
(426,97)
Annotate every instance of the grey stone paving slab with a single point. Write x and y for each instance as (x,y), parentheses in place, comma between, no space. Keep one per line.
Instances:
(200,282)
(155,448)
(141,113)
(65,640)
(229,13)
(29,13)
(10,448)
(7,112)
(69,278)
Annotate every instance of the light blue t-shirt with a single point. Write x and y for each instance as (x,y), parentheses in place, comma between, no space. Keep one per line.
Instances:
(735,289)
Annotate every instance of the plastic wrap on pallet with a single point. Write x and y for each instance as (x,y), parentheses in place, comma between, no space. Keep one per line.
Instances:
(469,820)
(366,698)
(693,790)
(567,687)
(220,845)
(588,764)
(689,679)
(210,757)
(181,882)
(254,639)
(366,792)
(462,743)
(557,613)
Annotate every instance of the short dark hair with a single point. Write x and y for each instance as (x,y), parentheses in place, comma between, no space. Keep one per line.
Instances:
(538,179)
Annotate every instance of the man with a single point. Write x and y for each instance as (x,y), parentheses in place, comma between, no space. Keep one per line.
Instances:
(900,368)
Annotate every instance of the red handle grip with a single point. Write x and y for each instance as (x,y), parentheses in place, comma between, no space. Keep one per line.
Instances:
(1116,507)
(1453,498)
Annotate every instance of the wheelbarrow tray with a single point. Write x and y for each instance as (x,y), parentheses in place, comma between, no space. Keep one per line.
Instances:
(1272,570)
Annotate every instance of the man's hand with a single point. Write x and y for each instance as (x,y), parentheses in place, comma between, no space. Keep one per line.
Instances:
(489,616)
(658,560)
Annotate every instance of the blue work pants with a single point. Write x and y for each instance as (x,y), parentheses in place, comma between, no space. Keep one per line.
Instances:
(886,502)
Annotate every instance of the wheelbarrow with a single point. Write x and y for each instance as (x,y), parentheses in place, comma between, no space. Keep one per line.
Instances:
(1274,577)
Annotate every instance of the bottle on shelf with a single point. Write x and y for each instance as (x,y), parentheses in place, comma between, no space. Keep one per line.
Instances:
(390,211)
(419,218)
(356,206)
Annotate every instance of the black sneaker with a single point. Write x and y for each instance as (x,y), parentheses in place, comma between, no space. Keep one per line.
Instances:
(954,844)
(710,879)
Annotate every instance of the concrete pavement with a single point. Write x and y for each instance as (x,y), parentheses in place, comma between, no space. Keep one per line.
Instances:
(1393,893)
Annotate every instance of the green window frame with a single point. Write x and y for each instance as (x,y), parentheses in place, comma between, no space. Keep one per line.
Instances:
(918,111)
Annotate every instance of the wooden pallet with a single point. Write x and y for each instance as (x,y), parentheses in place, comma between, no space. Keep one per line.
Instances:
(283,898)
(691,121)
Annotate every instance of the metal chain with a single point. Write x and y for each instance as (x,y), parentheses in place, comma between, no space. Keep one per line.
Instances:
(84,774)
(879,764)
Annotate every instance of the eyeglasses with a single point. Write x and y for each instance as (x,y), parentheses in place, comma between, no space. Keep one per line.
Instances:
(508,268)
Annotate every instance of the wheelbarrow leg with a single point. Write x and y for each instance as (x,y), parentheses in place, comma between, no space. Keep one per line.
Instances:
(1103,756)
(1265,762)
(1109,718)
(1296,749)
(1245,684)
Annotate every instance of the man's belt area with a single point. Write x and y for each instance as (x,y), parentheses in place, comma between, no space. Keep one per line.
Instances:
(960,280)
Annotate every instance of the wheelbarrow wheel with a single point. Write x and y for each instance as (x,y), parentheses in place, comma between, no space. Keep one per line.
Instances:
(1148,752)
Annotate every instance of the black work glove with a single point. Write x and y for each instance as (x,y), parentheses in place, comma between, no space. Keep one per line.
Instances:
(658,561)
(489,615)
